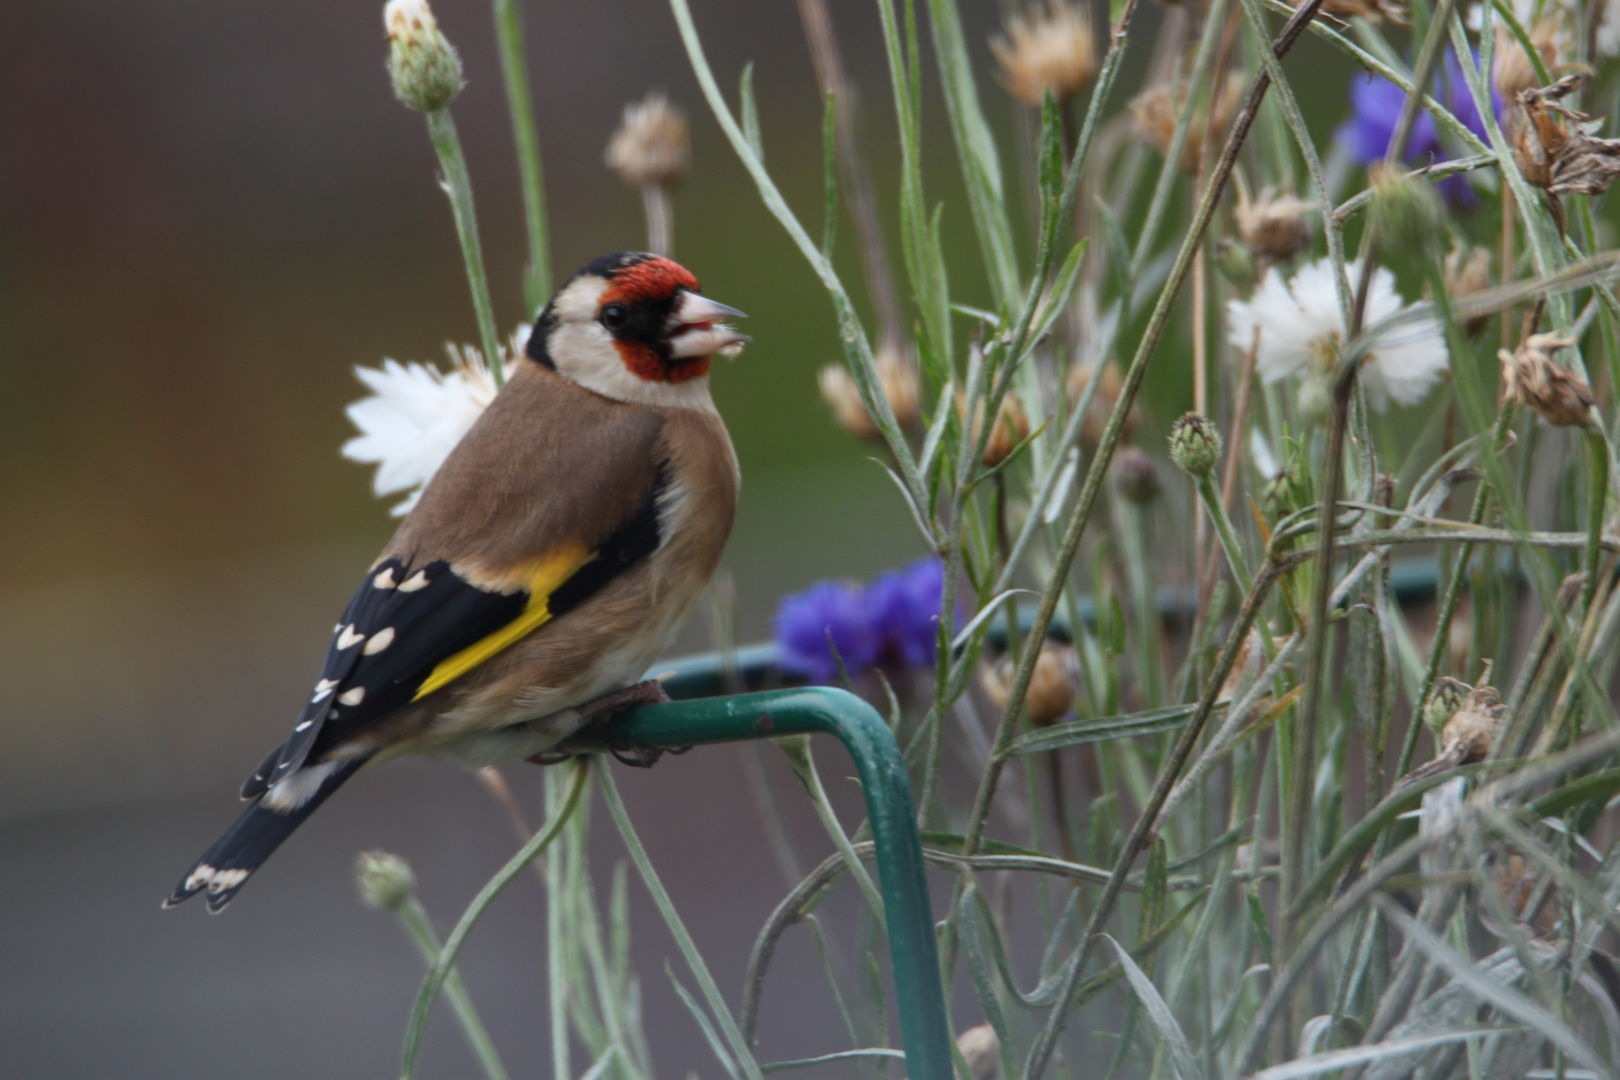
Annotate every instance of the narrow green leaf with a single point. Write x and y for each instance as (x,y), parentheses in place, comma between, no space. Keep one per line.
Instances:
(1505,999)
(711,1036)
(1599,787)
(1116,625)
(1101,729)
(1334,1060)
(1181,1054)
(967,923)
(952,842)
(1119,250)
(842,1055)
(1155,883)
(750,112)
(1051,156)
(1262,928)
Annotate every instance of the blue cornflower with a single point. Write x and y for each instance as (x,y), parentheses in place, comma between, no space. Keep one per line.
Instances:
(892,621)
(1376,105)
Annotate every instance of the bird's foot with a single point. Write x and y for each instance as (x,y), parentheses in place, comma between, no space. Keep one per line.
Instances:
(608,706)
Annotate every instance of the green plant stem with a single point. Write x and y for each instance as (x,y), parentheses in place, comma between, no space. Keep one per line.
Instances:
(414,918)
(744,1057)
(1225,532)
(1598,451)
(515,72)
(445,963)
(1298,792)
(797,750)
(458,186)
(557,945)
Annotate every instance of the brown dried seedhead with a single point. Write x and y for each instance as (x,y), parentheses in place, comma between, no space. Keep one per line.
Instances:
(1374,11)
(1273,226)
(1552,147)
(898,376)
(1155,111)
(1531,377)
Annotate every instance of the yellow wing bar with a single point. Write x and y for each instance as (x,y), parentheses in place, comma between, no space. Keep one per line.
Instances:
(547,574)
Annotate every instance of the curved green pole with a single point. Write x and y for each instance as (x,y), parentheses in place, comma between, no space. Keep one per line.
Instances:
(823,710)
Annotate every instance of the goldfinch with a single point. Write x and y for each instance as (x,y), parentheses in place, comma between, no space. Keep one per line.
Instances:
(547,563)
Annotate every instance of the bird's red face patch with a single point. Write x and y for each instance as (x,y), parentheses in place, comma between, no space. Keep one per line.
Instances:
(653,287)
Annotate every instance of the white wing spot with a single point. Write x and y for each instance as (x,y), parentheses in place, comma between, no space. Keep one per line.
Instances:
(382,638)
(302,727)
(226,879)
(321,694)
(384,580)
(352,697)
(349,637)
(418,580)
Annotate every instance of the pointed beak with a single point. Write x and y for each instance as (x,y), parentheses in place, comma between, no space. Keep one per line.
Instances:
(696,328)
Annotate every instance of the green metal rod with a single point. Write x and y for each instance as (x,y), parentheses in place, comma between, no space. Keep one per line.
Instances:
(822,710)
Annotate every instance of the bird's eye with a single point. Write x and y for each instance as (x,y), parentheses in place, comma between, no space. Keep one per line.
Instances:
(614,316)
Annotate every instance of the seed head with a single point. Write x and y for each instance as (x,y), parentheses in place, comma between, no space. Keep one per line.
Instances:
(1552,148)
(898,375)
(1102,406)
(1012,427)
(1531,377)
(1155,111)
(1045,47)
(1273,226)
(1195,445)
(1051,690)
(1513,71)
(651,143)
(423,65)
(1475,726)
(981,1049)
(385,879)
(1136,476)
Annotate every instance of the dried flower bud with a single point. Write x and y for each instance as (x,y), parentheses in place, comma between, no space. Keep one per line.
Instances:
(385,879)
(898,376)
(423,65)
(1051,691)
(1273,226)
(981,1049)
(1136,476)
(1513,72)
(1102,406)
(1553,150)
(1045,47)
(650,145)
(1531,377)
(1195,445)
(1468,273)
(1012,427)
(1405,210)
(1473,729)
(1155,111)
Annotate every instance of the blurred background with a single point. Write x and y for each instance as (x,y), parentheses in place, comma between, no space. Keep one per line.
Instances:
(211,213)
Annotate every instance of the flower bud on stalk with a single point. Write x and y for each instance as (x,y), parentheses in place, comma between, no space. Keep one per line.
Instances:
(1050,692)
(1273,226)
(1405,211)
(981,1049)
(650,150)
(1012,427)
(1046,47)
(1195,445)
(1136,476)
(423,65)
(898,377)
(1531,377)
(385,879)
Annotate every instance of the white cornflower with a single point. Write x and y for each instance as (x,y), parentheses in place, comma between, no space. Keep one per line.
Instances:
(1299,328)
(415,416)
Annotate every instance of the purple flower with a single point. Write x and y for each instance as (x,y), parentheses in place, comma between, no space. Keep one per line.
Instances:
(893,621)
(903,610)
(1376,105)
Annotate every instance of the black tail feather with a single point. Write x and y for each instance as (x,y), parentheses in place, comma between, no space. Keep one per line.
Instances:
(225,867)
